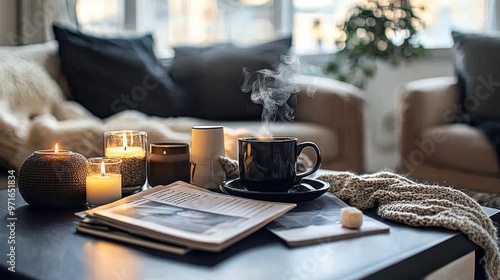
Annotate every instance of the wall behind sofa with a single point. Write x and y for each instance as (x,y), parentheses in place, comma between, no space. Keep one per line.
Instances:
(24,22)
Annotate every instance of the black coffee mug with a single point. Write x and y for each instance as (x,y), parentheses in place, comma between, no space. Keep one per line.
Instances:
(269,164)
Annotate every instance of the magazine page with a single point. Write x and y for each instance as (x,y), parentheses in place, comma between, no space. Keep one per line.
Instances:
(180,211)
(319,221)
(91,227)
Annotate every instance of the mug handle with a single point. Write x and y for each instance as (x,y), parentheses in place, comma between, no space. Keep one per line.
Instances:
(316,166)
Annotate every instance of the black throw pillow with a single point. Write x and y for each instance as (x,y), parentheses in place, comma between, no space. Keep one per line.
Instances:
(212,77)
(477,60)
(477,64)
(109,75)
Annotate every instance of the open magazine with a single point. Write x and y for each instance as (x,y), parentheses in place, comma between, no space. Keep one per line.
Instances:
(179,217)
(319,221)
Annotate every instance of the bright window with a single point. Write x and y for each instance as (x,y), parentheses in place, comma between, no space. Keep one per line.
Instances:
(313,23)
(442,16)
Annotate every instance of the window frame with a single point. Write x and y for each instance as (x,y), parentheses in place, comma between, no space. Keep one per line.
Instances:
(137,13)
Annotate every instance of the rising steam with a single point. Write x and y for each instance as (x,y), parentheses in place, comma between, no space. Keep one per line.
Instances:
(276,91)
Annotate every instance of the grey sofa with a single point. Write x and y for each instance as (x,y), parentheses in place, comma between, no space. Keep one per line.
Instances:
(40,112)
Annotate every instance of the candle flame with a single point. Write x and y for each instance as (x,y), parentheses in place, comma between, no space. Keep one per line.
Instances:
(124,141)
(103,170)
(56,149)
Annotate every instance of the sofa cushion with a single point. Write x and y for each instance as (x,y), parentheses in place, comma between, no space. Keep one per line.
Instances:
(44,55)
(213,77)
(26,87)
(109,75)
(476,62)
(26,91)
(460,147)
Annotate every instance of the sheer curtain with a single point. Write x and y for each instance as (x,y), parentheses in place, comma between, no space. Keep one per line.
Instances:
(35,18)
(493,12)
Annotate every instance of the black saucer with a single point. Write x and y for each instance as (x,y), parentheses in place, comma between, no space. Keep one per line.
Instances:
(307,190)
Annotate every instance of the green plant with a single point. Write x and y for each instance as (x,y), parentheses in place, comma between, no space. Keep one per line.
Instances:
(376,30)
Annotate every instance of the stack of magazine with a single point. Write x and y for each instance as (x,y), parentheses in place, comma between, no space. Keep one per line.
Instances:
(181,217)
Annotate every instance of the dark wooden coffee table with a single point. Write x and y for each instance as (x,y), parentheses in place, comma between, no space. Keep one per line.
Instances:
(47,247)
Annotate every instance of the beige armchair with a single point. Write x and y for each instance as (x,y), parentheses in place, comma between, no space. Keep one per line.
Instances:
(433,148)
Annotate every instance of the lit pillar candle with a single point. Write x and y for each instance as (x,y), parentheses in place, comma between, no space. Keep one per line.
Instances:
(104,181)
(130,147)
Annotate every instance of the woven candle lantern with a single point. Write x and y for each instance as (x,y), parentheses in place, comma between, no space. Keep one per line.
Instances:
(53,179)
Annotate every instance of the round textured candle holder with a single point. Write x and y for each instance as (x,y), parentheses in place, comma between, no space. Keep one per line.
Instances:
(53,180)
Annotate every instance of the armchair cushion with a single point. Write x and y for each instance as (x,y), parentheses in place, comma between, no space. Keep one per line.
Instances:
(460,147)
(434,148)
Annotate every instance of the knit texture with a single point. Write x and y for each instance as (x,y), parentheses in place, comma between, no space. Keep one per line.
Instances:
(402,200)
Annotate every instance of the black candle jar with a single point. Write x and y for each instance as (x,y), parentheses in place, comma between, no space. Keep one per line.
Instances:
(167,163)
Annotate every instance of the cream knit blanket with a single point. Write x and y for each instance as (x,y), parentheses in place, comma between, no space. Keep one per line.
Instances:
(402,200)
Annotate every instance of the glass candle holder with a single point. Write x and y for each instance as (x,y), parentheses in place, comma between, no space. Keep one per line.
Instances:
(167,163)
(130,147)
(104,181)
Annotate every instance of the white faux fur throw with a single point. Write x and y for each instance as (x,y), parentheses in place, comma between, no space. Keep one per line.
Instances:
(402,200)
(34,115)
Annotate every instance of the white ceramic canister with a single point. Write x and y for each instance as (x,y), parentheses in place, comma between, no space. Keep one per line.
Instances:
(207,145)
